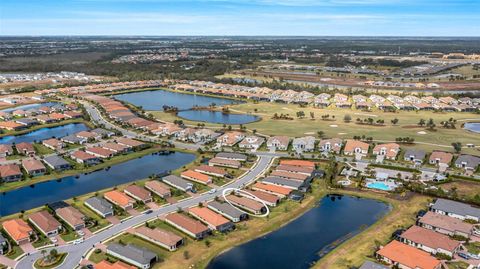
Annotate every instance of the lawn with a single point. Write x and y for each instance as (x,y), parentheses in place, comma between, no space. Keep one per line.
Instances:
(465,189)
(457,265)
(406,126)
(473,247)
(14,252)
(355,251)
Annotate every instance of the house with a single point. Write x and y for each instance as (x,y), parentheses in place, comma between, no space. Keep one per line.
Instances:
(300,163)
(231,156)
(224,162)
(56,162)
(115,147)
(138,256)
(389,150)
(10,172)
(303,144)
(290,175)
(372,265)
(71,216)
(330,145)
(18,230)
(251,142)
(100,206)
(54,144)
(160,237)
(120,199)
(211,170)
(34,167)
(467,162)
(267,198)
(441,158)
(227,210)
(158,188)
(11,125)
(414,155)
(191,227)
(72,139)
(456,209)
(103,133)
(445,225)
(229,139)
(45,223)
(296,169)
(72,114)
(196,176)
(178,182)
(131,143)
(287,183)
(5,150)
(429,241)
(272,189)
(278,142)
(27,122)
(100,152)
(25,148)
(213,220)
(355,147)
(85,158)
(202,136)
(104,264)
(138,193)
(407,257)
(89,136)
(247,204)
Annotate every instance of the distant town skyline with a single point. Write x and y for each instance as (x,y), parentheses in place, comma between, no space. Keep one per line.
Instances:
(241,17)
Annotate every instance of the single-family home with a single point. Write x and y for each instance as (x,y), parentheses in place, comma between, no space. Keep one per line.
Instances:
(229,139)
(440,158)
(211,170)
(5,150)
(330,145)
(103,132)
(429,241)
(72,139)
(227,210)
(89,136)
(467,162)
(115,147)
(53,143)
(213,220)
(389,150)
(267,198)
(132,254)
(407,257)
(10,172)
(251,142)
(196,176)
(25,148)
(272,189)
(71,216)
(138,193)
(34,167)
(247,204)
(191,227)
(290,175)
(299,163)
(445,224)
(456,209)
(86,158)
(178,182)
(231,156)
(45,223)
(278,142)
(100,152)
(11,125)
(56,162)
(414,155)
(296,169)
(134,144)
(224,162)
(18,230)
(158,188)
(283,182)
(120,199)
(304,144)
(160,237)
(100,206)
(355,147)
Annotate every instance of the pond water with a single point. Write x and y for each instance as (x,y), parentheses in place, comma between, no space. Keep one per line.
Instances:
(155,100)
(29,106)
(303,241)
(472,126)
(44,133)
(67,187)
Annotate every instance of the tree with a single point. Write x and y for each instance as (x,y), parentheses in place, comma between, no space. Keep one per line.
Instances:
(347,118)
(186,255)
(431,124)
(457,146)
(394,121)
(208,243)
(421,122)
(320,134)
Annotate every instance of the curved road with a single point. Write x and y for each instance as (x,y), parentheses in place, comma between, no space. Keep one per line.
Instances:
(76,252)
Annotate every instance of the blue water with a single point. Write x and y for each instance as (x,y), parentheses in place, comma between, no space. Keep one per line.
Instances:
(155,100)
(379,186)
(298,244)
(472,126)
(45,133)
(67,187)
(216,117)
(29,106)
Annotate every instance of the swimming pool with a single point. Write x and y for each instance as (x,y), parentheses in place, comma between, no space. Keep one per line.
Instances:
(380,186)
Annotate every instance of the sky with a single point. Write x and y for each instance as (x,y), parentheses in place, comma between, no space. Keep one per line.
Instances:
(241,17)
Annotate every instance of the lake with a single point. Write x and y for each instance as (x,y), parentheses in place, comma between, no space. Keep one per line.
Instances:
(472,126)
(44,133)
(67,187)
(155,100)
(29,106)
(298,244)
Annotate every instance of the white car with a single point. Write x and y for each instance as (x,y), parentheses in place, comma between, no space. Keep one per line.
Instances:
(212,191)
(53,239)
(81,233)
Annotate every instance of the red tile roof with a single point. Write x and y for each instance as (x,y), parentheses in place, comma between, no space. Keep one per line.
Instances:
(408,256)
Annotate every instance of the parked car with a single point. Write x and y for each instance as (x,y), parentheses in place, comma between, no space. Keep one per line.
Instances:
(464,255)
(212,191)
